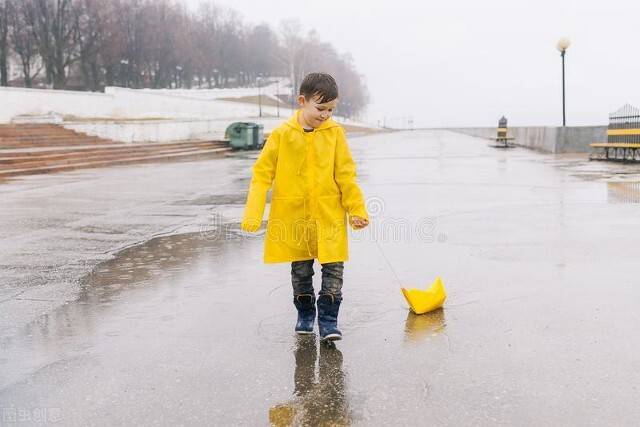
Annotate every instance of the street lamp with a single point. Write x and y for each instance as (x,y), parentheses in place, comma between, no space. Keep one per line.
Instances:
(178,77)
(259,80)
(562,46)
(347,110)
(215,77)
(124,74)
(278,97)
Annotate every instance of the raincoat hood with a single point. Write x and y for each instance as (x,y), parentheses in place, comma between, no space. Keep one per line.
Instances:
(293,123)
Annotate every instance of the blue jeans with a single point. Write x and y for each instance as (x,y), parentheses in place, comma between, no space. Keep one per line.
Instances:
(302,278)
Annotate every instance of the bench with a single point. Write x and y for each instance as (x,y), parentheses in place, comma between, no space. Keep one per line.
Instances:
(502,139)
(623,137)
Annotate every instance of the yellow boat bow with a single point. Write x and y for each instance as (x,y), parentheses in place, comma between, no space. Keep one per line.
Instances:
(425,300)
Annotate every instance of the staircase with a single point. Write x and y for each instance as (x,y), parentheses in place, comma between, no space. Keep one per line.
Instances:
(28,149)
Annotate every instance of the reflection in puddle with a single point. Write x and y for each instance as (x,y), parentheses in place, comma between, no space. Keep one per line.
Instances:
(419,327)
(145,265)
(215,199)
(106,292)
(623,192)
(321,403)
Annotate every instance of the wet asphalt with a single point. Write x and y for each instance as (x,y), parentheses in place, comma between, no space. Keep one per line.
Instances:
(537,253)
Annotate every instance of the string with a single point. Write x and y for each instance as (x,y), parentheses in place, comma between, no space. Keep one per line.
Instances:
(387,260)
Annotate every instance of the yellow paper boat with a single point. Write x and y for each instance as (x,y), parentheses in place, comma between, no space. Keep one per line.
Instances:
(425,300)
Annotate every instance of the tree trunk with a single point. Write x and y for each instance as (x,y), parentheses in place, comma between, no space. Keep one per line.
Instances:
(27,79)
(4,69)
(60,77)
(26,71)
(95,76)
(4,43)
(108,75)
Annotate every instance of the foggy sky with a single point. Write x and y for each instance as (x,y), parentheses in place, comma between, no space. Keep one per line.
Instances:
(465,63)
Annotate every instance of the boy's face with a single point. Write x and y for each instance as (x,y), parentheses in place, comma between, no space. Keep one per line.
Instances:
(314,113)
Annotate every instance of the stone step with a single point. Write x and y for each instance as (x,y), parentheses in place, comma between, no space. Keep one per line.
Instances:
(28,149)
(21,130)
(62,143)
(39,162)
(22,136)
(50,137)
(74,140)
(44,135)
(28,127)
(46,151)
(123,161)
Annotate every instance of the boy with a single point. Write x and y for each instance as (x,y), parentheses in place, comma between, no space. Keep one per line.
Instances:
(308,161)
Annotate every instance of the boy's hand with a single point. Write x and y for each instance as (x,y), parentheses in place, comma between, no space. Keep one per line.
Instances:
(358,222)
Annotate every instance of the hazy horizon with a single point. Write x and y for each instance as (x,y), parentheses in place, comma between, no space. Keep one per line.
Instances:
(467,63)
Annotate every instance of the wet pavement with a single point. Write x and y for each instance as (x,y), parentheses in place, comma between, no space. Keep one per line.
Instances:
(56,228)
(541,326)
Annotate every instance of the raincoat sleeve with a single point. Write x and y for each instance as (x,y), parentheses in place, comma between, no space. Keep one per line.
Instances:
(264,171)
(345,176)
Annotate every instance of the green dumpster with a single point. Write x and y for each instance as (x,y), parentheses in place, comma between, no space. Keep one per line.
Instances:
(245,135)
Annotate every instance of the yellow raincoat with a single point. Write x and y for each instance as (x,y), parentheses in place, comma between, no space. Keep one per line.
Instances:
(314,188)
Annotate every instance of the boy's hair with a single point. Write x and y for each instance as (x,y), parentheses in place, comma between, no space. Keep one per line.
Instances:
(321,85)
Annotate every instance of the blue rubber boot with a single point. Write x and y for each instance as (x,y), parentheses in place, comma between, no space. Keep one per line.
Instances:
(328,307)
(306,305)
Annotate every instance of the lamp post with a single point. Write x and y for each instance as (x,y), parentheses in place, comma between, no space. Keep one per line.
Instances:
(562,46)
(346,111)
(178,76)
(278,97)
(215,77)
(259,80)
(124,65)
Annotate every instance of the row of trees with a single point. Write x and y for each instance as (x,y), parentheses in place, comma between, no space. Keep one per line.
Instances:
(89,44)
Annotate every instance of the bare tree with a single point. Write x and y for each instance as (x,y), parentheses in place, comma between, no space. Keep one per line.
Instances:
(207,35)
(89,24)
(159,47)
(229,48)
(292,45)
(54,31)
(112,46)
(262,50)
(160,44)
(310,54)
(129,61)
(204,44)
(5,5)
(23,43)
(184,48)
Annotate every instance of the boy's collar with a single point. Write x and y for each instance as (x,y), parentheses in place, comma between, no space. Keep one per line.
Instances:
(294,123)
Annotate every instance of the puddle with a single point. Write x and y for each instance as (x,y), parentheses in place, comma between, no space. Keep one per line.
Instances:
(216,200)
(623,192)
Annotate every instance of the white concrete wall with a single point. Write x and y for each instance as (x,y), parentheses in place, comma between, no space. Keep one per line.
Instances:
(121,103)
(139,115)
(570,139)
(133,103)
(21,101)
(270,90)
(162,130)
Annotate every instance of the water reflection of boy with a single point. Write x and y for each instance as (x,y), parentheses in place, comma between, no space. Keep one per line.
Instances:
(315,403)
